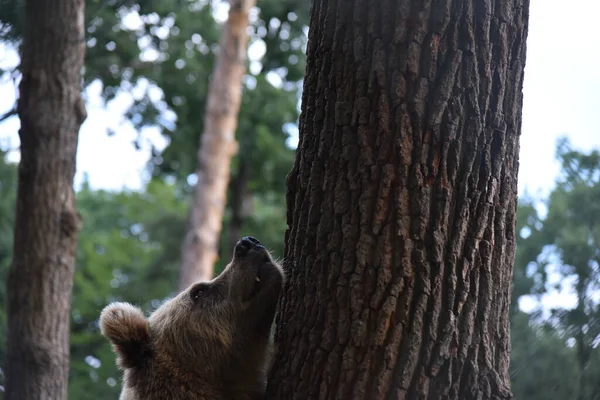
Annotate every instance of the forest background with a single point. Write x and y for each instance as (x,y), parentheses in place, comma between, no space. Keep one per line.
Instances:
(146,78)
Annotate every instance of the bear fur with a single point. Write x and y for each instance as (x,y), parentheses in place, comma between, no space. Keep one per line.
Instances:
(209,342)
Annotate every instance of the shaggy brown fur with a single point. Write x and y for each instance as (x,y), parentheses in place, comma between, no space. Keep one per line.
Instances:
(209,342)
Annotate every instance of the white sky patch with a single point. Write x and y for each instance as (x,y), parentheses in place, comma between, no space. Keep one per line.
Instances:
(257,50)
(561,89)
(132,21)
(221,11)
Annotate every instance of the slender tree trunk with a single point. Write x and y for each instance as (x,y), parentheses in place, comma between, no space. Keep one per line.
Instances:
(218,146)
(47,224)
(402,202)
(239,191)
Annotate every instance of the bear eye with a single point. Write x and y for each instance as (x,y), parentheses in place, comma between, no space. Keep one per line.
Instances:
(198,291)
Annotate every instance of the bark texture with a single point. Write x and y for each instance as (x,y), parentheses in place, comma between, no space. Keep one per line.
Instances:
(402,202)
(40,279)
(217,147)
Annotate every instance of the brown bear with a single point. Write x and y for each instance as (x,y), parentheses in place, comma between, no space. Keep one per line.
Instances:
(209,342)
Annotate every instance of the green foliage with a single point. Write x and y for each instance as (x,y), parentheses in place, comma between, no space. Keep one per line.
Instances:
(572,228)
(124,254)
(128,250)
(529,271)
(8,191)
(542,365)
(590,382)
(564,246)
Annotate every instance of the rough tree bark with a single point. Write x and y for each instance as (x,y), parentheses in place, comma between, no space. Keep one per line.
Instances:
(200,246)
(47,224)
(402,202)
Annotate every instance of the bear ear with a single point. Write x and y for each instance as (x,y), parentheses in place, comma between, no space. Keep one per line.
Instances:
(129,332)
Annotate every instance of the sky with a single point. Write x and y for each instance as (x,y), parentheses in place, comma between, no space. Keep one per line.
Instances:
(561,98)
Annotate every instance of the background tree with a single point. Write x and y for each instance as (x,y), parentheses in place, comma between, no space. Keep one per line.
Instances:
(529,275)
(200,245)
(573,210)
(51,111)
(543,366)
(561,251)
(402,202)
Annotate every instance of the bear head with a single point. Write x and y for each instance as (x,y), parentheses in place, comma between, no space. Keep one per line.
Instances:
(211,341)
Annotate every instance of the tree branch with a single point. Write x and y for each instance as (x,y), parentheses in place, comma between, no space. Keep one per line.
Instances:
(8,114)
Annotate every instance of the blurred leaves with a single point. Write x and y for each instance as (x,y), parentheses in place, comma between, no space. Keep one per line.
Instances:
(542,365)
(8,195)
(126,253)
(560,251)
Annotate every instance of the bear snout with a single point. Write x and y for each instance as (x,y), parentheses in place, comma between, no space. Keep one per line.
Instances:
(247,243)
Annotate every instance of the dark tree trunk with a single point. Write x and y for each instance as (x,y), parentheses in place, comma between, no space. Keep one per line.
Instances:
(47,224)
(239,188)
(402,202)
(239,191)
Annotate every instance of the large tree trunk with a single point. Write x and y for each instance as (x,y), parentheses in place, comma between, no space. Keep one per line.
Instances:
(200,247)
(402,202)
(47,224)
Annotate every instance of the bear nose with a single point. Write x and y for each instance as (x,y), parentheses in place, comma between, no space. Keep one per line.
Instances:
(245,244)
(252,239)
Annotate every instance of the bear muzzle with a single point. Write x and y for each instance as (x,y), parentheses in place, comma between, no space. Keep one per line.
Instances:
(251,255)
(248,244)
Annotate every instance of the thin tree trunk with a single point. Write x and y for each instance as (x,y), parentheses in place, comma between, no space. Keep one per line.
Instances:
(47,224)
(402,202)
(218,146)
(239,191)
